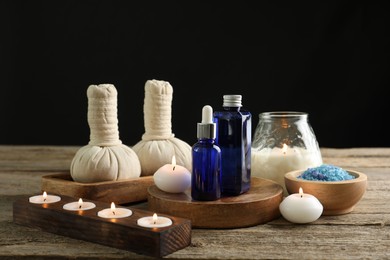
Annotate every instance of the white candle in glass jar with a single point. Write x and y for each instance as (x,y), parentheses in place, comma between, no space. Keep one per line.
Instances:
(274,163)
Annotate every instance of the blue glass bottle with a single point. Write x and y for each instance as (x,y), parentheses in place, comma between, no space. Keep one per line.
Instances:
(234,137)
(206,160)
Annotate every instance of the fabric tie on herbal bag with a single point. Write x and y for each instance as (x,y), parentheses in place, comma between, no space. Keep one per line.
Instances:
(159,144)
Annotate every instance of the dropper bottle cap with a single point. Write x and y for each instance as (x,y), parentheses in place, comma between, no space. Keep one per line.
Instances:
(206,129)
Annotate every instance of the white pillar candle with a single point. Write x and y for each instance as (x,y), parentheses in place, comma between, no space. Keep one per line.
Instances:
(301,208)
(274,163)
(172,178)
(44,198)
(115,212)
(154,221)
(79,205)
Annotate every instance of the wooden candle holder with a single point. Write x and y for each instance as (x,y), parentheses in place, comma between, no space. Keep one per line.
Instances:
(122,233)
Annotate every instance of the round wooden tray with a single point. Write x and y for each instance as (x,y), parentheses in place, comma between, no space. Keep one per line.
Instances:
(257,206)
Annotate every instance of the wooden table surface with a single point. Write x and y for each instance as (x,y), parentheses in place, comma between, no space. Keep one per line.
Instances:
(364,233)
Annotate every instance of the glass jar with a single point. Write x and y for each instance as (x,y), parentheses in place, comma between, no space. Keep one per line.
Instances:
(283,142)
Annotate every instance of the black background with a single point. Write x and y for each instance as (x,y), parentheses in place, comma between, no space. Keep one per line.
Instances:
(328,59)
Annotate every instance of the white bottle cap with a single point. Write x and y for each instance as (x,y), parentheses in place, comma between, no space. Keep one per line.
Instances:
(206,129)
(207,115)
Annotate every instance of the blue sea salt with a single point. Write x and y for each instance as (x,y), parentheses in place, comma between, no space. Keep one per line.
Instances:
(326,172)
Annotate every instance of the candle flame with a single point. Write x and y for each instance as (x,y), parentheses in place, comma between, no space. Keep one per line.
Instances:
(284,149)
(173,162)
(113,207)
(44,196)
(301,192)
(155,218)
(80,203)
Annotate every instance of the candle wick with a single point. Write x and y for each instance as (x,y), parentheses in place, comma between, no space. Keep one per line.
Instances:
(154,222)
(174,167)
(79,206)
(113,212)
(44,199)
(301,195)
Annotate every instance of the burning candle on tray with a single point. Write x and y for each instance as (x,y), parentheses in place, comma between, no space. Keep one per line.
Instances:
(114,212)
(154,221)
(172,178)
(44,198)
(79,205)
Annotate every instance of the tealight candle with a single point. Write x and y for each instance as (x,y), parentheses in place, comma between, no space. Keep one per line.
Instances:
(114,212)
(172,178)
(301,208)
(79,205)
(44,198)
(154,221)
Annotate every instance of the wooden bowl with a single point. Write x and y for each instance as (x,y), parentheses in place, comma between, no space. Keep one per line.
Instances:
(337,197)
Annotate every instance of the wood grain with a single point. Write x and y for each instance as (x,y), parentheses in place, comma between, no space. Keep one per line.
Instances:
(36,158)
(120,192)
(123,233)
(257,206)
(361,234)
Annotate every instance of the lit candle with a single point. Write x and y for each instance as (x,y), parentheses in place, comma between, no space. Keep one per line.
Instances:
(114,212)
(79,205)
(172,178)
(274,163)
(44,198)
(301,208)
(154,221)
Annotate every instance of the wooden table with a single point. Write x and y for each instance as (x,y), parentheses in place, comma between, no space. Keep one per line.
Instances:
(364,233)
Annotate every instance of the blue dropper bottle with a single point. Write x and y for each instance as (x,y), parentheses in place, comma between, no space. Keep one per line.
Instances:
(206,160)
